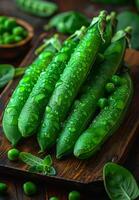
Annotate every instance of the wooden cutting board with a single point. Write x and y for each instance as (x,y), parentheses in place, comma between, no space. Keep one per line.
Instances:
(71,170)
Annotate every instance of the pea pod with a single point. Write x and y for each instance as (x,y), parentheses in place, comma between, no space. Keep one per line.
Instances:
(70,82)
(33,109)
(22,91)
(85,107)
(106,122)
(37,7)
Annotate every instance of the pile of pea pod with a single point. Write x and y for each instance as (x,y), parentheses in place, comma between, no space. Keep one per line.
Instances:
(76,93)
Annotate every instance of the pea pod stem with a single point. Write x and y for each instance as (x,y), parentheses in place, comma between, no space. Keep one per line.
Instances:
(106,122)
(21,93)
(70,82)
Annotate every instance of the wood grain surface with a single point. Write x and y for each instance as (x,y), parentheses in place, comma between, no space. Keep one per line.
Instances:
(15,191)
(72,170)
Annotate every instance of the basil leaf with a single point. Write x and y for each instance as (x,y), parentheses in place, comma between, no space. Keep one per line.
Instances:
(6,74)
(50,171)
(128,18)
(30,159)
(119,183)
(32,169)
(47,161)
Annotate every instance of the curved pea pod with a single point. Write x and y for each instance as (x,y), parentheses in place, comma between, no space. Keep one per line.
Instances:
(106,122)
(70,82)
(85,107)
(37,7)
(22,91)
(33,110)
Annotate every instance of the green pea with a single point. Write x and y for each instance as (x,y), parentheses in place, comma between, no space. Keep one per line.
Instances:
(110,87)
(54,198)
(18,30)
(5,34)
(13,154)
(102,103)
(2,29)
(29,188)
(74,195)
(3,19)
(8,39)
(10,24)
(17,38)
(116,80)
(3,188)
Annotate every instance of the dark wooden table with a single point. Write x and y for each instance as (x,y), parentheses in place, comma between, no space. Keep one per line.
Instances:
(47,190)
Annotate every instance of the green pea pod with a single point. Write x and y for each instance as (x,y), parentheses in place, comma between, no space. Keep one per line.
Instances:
(106,122)
(37,7)
(70,82)
(85,107)
(32,112)
(22,91)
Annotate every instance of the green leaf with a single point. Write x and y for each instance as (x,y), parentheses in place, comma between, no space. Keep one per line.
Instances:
(128,18)
(119,183)
(32,169)
(48,161)
(30,159)
(50,171)
(6,74)
(68,22)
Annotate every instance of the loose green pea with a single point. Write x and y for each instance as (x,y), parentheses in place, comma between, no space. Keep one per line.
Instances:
(116,80)
(102,103)
(74,195)
(30,188)
(8,39)
(3,188)
(13,154)
(54,198)
(17,38)
(18,30)
(10,24)
(110,87)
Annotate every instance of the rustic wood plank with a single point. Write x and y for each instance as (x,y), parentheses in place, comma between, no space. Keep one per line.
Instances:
(72,170)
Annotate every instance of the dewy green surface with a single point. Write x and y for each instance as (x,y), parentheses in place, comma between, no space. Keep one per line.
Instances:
(70,82)
(84,108)
(31,115)
(21,93)
(106,122)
